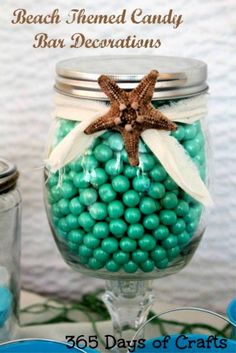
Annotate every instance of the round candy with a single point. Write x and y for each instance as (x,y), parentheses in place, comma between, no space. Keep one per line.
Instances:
(170,242)
(148,205)
(147,243)
(75,166)
(151,221)
(81,180)
(170,184)
(89,163)
(139,256)
(131,198)
(72,221)
(130,171)
(100,255)
(101,230)
(182,208)
(63,225)
(147,266)
(72,246)
(91,241)
(113,167)
(190,131)
(132,215)
(94,264)
(147,161)
(156,191)
(84,251)
(110,245)
(86,221)
(127,244)
(142,148)
(98,211)
(170,200)
(75,206)
(76,236)
(55,193)
(98,177)
(173,252)
(158,254)
(179,134)
(64,206)
(107,193)
(103,153)
(158,173)
(121,257)
(88,196)
(178,227)
(135,231)
(112,266)
(117,227)
(191,227)
(56,210)
(115,209)
(141,183)
(163,264)
(130,267)
(120,184)
(161,232)
(183,238)
(168,217)
(52,180)
(124,156)
(116,142)
(191,147)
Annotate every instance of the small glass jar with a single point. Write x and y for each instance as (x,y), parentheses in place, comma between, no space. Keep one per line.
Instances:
(110,219)
(10,232)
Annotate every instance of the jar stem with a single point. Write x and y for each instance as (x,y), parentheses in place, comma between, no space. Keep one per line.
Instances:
(128,303)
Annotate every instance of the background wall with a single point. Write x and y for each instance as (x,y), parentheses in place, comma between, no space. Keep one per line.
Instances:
(26,80)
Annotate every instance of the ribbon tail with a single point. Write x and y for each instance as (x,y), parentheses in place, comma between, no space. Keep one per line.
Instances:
(71,147)
(177,164)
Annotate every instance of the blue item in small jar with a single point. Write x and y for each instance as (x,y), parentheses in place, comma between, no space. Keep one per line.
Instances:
(5,304)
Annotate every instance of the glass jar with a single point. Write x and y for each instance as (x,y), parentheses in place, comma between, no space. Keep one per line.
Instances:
(111,219)
(10,229)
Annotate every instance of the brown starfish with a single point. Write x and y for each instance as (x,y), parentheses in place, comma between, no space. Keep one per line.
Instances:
(131,113)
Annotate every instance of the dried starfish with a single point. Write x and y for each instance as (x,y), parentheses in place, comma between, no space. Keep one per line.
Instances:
(131,113)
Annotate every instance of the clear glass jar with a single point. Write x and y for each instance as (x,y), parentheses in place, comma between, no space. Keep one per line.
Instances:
(10,231)
(112,217)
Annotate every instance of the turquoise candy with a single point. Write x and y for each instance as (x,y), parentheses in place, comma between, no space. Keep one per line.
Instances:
(112,266)
(101,255)
(121,257)
(98,211)
(98,177)
(116,143)
(156,191)
(103,153)
(130,267)
(151,221)
(158,173)
(86,221)
(6,305)
(113,167)
(110,245)
(101,230)
(131,198)
(76,236)
(168,217)
(132,215)
(161,232)
(170,200)
(91,241)
(141,183)
(75,206)
(94,264)
(135,231)
(148,205)
(120,184)
(117,227)
(128,245)
(81,180)
(115,209)
(112,216)
(88,196)
(147,243)
(107,193)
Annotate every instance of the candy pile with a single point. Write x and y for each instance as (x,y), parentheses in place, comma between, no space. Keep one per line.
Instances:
(5,297)
(110,215)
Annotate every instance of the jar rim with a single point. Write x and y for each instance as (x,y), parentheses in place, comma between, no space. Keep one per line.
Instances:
(8,175)
(179,77)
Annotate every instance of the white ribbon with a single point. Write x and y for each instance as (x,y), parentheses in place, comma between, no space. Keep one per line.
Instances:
(167,149)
